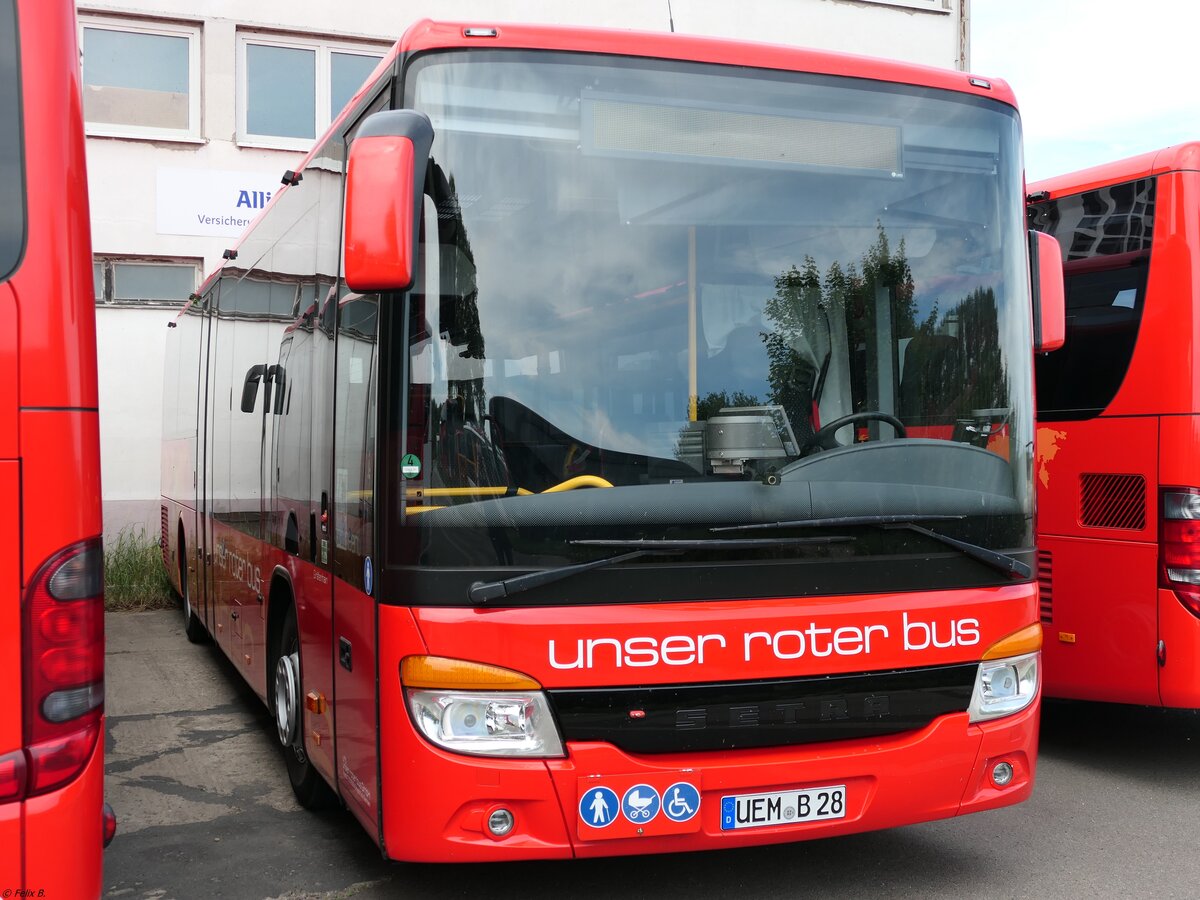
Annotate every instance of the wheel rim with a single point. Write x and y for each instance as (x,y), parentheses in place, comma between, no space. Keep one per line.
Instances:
(287,690)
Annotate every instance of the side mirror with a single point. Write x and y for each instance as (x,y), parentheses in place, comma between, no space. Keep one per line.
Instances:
(385,176)
(1049,294)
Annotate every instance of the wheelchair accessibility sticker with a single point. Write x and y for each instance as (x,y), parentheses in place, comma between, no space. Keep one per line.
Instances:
(640,804)
(681,801)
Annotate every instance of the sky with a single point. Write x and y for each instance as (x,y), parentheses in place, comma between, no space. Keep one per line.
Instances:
(1096,80)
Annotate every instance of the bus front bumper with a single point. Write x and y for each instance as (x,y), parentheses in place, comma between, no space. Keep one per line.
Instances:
(597,800)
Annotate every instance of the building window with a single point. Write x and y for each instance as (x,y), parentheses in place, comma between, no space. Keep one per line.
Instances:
(289,90)
(127,282)
(141,80)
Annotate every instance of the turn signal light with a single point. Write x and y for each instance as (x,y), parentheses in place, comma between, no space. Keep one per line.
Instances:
(1027,640)
(440,672)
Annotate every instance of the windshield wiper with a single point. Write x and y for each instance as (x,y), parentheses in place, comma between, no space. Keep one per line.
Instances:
(485,591)
(1000,561)
(482,592)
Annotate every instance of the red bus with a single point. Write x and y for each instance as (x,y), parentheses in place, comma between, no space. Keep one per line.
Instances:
(1118,426)
(613,443)
(51,568)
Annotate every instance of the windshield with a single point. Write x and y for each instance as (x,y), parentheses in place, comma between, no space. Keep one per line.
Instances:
(648,290)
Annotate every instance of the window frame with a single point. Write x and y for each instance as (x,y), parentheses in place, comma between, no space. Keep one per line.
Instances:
(323,83)
(162,28)
(933,6)
(108,263)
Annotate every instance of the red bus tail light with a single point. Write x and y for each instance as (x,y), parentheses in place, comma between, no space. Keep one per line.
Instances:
(1179,545)
(64,667)
(12,776)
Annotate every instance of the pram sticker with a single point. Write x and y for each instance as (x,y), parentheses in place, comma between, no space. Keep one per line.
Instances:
(598,807)
(640,804)
(681,801)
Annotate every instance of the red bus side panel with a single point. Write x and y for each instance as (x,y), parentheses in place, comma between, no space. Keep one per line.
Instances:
(1098,521)
(9,437)
(1179,629)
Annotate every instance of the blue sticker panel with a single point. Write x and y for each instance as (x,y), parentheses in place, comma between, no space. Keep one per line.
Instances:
(681,801)
(368,575)
(640,804)
(598,807)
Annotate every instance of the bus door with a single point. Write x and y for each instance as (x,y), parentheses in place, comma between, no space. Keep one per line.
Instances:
(193,568)
(354,613)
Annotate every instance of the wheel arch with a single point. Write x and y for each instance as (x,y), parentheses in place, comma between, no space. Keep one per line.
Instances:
(281,596)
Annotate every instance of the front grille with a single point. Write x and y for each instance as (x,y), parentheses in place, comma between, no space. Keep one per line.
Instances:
(733,715)
(1045,575)
(1112,501)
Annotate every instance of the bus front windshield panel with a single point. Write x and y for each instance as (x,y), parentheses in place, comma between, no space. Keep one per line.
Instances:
(655,299)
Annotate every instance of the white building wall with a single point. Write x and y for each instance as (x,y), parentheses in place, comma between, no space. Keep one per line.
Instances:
(124,172)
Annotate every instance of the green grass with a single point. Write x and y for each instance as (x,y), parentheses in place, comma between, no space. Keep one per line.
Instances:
(134,575)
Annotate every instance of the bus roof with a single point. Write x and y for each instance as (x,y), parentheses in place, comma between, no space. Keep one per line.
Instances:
(1176,158)
(427,35)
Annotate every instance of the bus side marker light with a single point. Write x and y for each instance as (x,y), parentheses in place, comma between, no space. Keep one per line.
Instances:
(314,702)
(1066,637)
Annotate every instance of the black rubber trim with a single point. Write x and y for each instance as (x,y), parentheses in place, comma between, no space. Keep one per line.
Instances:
(736,715)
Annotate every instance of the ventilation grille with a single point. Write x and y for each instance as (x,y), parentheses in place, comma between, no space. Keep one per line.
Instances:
(163,543)
(1113,501)
(1046,586)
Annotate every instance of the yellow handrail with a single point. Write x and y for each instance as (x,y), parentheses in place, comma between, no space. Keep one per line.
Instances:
(578,481)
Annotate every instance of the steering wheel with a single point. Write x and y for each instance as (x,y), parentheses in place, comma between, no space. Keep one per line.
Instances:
(824,437)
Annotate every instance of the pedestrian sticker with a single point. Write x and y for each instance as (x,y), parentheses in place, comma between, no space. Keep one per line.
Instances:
(410,466)
(368,575)
(681,801)
(640,804)
(598,807)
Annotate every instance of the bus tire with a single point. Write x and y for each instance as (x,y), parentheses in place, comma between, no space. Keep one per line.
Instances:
(192,626)
(307,783)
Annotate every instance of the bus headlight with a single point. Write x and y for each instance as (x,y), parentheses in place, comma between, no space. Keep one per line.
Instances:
(487,724)
(478,709)
(1004,686)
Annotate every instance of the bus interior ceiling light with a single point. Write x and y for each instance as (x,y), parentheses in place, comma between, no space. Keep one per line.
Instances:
(631,127)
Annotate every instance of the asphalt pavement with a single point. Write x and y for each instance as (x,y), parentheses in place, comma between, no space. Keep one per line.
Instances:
(204,810)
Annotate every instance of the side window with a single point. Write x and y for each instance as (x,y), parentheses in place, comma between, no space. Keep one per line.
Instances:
(12,169)
(141,81)
(143,282)
(1106,237)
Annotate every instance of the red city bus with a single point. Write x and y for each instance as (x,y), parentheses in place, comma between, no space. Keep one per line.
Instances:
(51,569)
(502,454)
(1118,430)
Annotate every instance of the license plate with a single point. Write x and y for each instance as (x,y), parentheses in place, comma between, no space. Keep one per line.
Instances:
(783,807)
